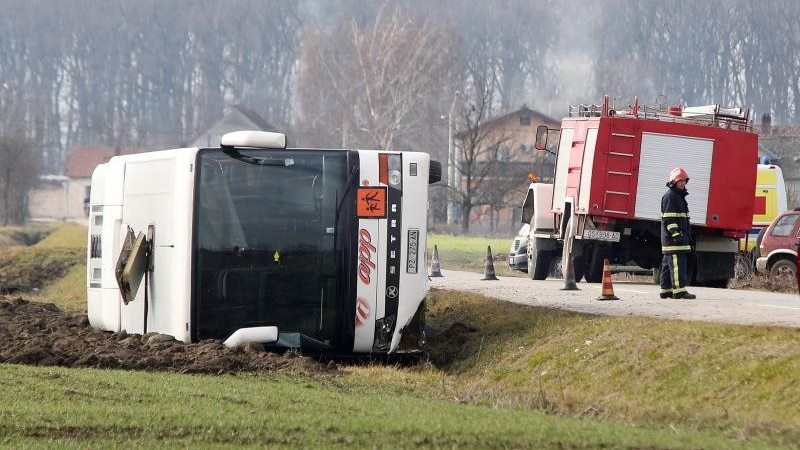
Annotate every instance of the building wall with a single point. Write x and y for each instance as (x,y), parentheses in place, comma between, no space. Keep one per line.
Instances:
(48,202)
(520,142)
(78,191)
(521,136)
(59,201)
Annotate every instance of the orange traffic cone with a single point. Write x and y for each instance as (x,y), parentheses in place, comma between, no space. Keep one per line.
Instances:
(488,273)
(436,269)
(608,289)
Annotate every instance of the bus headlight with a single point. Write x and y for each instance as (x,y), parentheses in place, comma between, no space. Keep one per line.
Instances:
(390,170)
(384,330)
(395,177)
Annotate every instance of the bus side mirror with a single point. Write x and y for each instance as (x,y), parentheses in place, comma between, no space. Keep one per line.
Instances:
(541,137)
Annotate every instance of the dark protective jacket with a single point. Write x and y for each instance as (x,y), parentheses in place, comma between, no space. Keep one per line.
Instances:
(676,234)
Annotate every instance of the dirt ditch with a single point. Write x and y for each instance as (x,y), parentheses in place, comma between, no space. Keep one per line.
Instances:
(42,334)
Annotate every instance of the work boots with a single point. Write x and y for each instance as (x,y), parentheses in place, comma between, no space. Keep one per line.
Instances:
(683,294)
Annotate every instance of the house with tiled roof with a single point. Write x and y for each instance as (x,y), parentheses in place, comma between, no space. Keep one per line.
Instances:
(234,118)
(517,158)
(65,197)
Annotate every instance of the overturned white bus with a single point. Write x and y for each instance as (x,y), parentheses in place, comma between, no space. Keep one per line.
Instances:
(322,250)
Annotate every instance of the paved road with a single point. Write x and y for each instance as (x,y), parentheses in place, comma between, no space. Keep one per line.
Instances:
(712,305)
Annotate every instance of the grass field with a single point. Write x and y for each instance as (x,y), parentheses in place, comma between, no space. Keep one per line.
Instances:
(65,235)
(69,291)
(497,375)
(51,268)
(53,407)
(734,380)
(469,253)
(23,235)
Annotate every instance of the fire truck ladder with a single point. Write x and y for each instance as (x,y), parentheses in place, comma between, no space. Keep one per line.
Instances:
(620,168)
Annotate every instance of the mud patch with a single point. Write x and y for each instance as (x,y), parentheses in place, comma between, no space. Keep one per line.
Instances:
(42,334)
(28,268)
(447,347)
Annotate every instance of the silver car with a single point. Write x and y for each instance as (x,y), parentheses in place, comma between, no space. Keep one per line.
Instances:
(518,253)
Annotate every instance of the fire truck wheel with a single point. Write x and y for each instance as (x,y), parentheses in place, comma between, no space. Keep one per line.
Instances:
(594,256)
(721,283)
(580,267)
(556,267)
(538,260)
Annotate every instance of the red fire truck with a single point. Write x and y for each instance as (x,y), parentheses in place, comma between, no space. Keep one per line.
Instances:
(611,168)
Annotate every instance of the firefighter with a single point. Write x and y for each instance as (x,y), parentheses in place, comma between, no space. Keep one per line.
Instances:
(676,237)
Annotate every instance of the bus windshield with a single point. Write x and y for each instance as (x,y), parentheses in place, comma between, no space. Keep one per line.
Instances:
(269,243)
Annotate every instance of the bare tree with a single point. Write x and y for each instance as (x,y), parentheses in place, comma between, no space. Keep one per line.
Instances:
(370,84)
(366,73)
(738,53)
(19,166)
(485,174)
(133,74)
(516,38)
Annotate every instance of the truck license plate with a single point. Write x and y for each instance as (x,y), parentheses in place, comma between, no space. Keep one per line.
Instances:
(601,235)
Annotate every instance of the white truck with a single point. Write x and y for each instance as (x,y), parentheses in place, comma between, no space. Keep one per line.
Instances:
(322,250)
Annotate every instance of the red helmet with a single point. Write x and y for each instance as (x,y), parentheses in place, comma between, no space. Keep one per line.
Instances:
(677,174)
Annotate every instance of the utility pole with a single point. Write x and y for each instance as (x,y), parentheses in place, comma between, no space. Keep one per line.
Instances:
(451,166)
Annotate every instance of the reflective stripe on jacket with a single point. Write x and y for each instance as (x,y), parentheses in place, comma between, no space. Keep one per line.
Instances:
(676,234)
